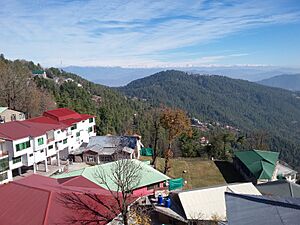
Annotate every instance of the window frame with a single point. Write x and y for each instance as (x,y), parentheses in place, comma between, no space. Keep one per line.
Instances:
(40,141)
(16,160)
(22,146)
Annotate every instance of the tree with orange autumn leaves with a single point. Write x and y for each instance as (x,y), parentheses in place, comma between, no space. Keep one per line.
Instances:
(176,122)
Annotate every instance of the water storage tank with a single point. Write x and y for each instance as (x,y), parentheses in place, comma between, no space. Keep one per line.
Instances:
(160,200)
(168,203)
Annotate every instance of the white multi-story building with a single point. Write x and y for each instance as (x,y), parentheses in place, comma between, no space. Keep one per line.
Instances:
(44,139)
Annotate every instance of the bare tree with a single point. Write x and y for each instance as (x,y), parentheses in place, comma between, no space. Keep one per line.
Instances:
(13,85)
(87,208)
(120,181)
(124,176)
(18,90)
(155,133)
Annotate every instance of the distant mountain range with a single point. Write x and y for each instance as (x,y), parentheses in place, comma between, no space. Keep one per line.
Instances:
(243,104)
(119,76)
(285,81)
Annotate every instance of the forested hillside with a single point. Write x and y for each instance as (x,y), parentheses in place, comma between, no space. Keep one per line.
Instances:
(33,95)
(246,105)
(286,81)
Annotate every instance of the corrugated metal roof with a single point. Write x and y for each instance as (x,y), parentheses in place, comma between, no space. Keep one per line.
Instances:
(204,204)
(261,210)
(149,175)
(113,141)
(260,163)
(281,188)
(40,125)
(37,200)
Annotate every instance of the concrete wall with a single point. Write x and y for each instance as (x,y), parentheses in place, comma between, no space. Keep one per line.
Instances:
(7,115)
(143,191)
(40,153)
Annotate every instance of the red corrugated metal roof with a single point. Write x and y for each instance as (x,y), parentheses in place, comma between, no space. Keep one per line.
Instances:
(37,200)
(62,114)
(38,126)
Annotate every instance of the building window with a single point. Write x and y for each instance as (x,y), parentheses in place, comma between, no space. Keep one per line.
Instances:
(40,141)
(17,160)
(4,164)
(90,129)
(77,134)
(65,141)
(105,158)
(20,116)
(22,146)
(74,127)
(13,117)
(3,176)
(50,147)
(91,120)
(90,158)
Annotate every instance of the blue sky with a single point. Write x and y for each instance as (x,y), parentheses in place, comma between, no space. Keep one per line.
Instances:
(147,33)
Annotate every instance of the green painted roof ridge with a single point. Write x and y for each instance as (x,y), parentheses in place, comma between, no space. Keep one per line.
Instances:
(2,109)
(266,171)
(73,173)
(263,154)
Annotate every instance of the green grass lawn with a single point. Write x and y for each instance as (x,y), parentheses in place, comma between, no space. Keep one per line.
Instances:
(199,172)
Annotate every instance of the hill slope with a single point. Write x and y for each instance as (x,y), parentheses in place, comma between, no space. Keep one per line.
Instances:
(286,81)
(246,105)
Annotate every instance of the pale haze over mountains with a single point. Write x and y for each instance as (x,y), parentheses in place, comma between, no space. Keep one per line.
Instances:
(120,76)
(286,81)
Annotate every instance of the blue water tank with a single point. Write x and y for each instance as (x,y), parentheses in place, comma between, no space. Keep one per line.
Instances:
(160,200)
(168,203)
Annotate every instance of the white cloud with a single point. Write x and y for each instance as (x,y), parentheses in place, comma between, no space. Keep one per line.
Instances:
(123,32)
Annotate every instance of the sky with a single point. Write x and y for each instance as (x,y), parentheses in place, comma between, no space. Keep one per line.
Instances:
(150,33)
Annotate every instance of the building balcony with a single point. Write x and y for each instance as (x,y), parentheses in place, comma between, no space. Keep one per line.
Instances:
(3,153)
(50,140)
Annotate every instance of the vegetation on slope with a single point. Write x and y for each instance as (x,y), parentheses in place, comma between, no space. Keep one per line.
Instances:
(246,105)
(196,171)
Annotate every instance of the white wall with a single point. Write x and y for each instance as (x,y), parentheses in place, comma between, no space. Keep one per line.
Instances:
(24,151)
(36,146)
(38,153)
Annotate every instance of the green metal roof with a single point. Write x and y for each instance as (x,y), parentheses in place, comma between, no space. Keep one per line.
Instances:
(260,163)
(2,109)
(149,175)
(38,71)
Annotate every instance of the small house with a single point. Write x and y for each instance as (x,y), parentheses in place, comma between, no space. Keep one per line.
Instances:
(260,166)
(151,179)
(255,165)
(103,149)
(8,115)
(39,73)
